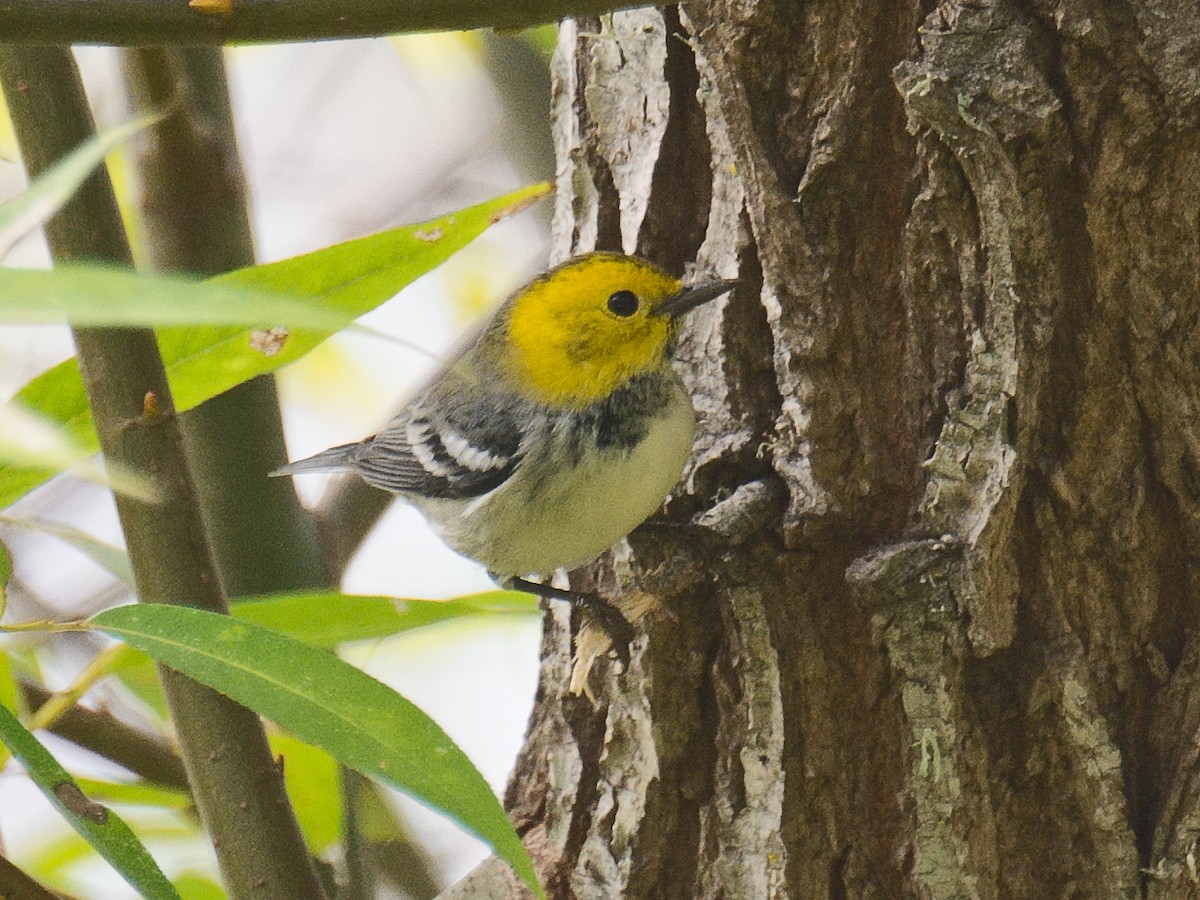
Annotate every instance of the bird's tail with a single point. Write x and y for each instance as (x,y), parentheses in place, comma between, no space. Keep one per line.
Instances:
(332,460)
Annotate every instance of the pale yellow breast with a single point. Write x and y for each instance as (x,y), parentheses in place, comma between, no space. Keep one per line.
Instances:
(538,522)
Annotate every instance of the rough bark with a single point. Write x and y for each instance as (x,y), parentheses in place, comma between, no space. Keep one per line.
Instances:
(927,622)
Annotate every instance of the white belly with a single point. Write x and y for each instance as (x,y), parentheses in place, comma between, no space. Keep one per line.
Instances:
(577,514)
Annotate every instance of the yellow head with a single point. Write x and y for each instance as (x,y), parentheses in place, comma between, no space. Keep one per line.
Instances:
(584,328)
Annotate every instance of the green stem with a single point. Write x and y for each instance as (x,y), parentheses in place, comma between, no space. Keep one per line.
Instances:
(348,511)
(62,702)
(16,885)
(138,751)
(237,785)
(360,880)
(132,22)
(193,207)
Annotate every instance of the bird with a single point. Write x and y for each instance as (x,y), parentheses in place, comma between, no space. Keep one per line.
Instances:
(556,433)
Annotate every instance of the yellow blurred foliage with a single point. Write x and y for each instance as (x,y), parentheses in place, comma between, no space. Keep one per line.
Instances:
(441,55)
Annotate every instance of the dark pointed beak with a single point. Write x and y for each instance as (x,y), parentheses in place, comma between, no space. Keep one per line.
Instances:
(692,296)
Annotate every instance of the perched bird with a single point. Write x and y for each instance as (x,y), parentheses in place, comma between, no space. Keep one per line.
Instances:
(555,434)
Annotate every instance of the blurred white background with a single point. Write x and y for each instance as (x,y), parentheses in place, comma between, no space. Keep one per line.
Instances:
(338,140)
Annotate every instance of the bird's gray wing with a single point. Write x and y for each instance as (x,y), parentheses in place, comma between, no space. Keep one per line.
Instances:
(455,441)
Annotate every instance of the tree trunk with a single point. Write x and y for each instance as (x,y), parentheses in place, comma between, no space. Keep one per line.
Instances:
(926,622)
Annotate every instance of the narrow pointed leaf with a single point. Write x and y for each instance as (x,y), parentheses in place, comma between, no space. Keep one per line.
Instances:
(138,793)
(194,886)
(350,279)
(47,194)
(107,556)
(313,786)
(105,295)
(29,441)
(137,674)
(327,618)
(100,827)
(9,695)
(327,703)
(5,574)
(8,684)
(55,855)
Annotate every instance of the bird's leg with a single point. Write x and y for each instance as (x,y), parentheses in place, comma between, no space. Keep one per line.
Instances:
(599,610)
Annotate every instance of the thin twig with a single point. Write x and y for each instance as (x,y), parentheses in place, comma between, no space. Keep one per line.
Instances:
(237,785)
(159,22)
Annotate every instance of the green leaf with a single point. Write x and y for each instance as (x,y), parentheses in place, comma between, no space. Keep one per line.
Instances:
(328,703)
(104,554)
(314,787)
(100,827)
(193,886)
(29,441)
(47,194)
(104,295)
(59,851)
(138,674)
(9,696)
(351,278)
(138,793)
(5,574)
(327,618)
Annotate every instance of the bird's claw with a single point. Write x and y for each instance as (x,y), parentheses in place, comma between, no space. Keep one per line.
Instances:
(597,609)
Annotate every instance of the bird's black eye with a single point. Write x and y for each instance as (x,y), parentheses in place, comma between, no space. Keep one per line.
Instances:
(623,303)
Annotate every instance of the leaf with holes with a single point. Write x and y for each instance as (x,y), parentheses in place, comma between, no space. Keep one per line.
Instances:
(348,279)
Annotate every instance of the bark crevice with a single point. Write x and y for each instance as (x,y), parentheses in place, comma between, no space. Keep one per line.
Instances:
(935,614)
